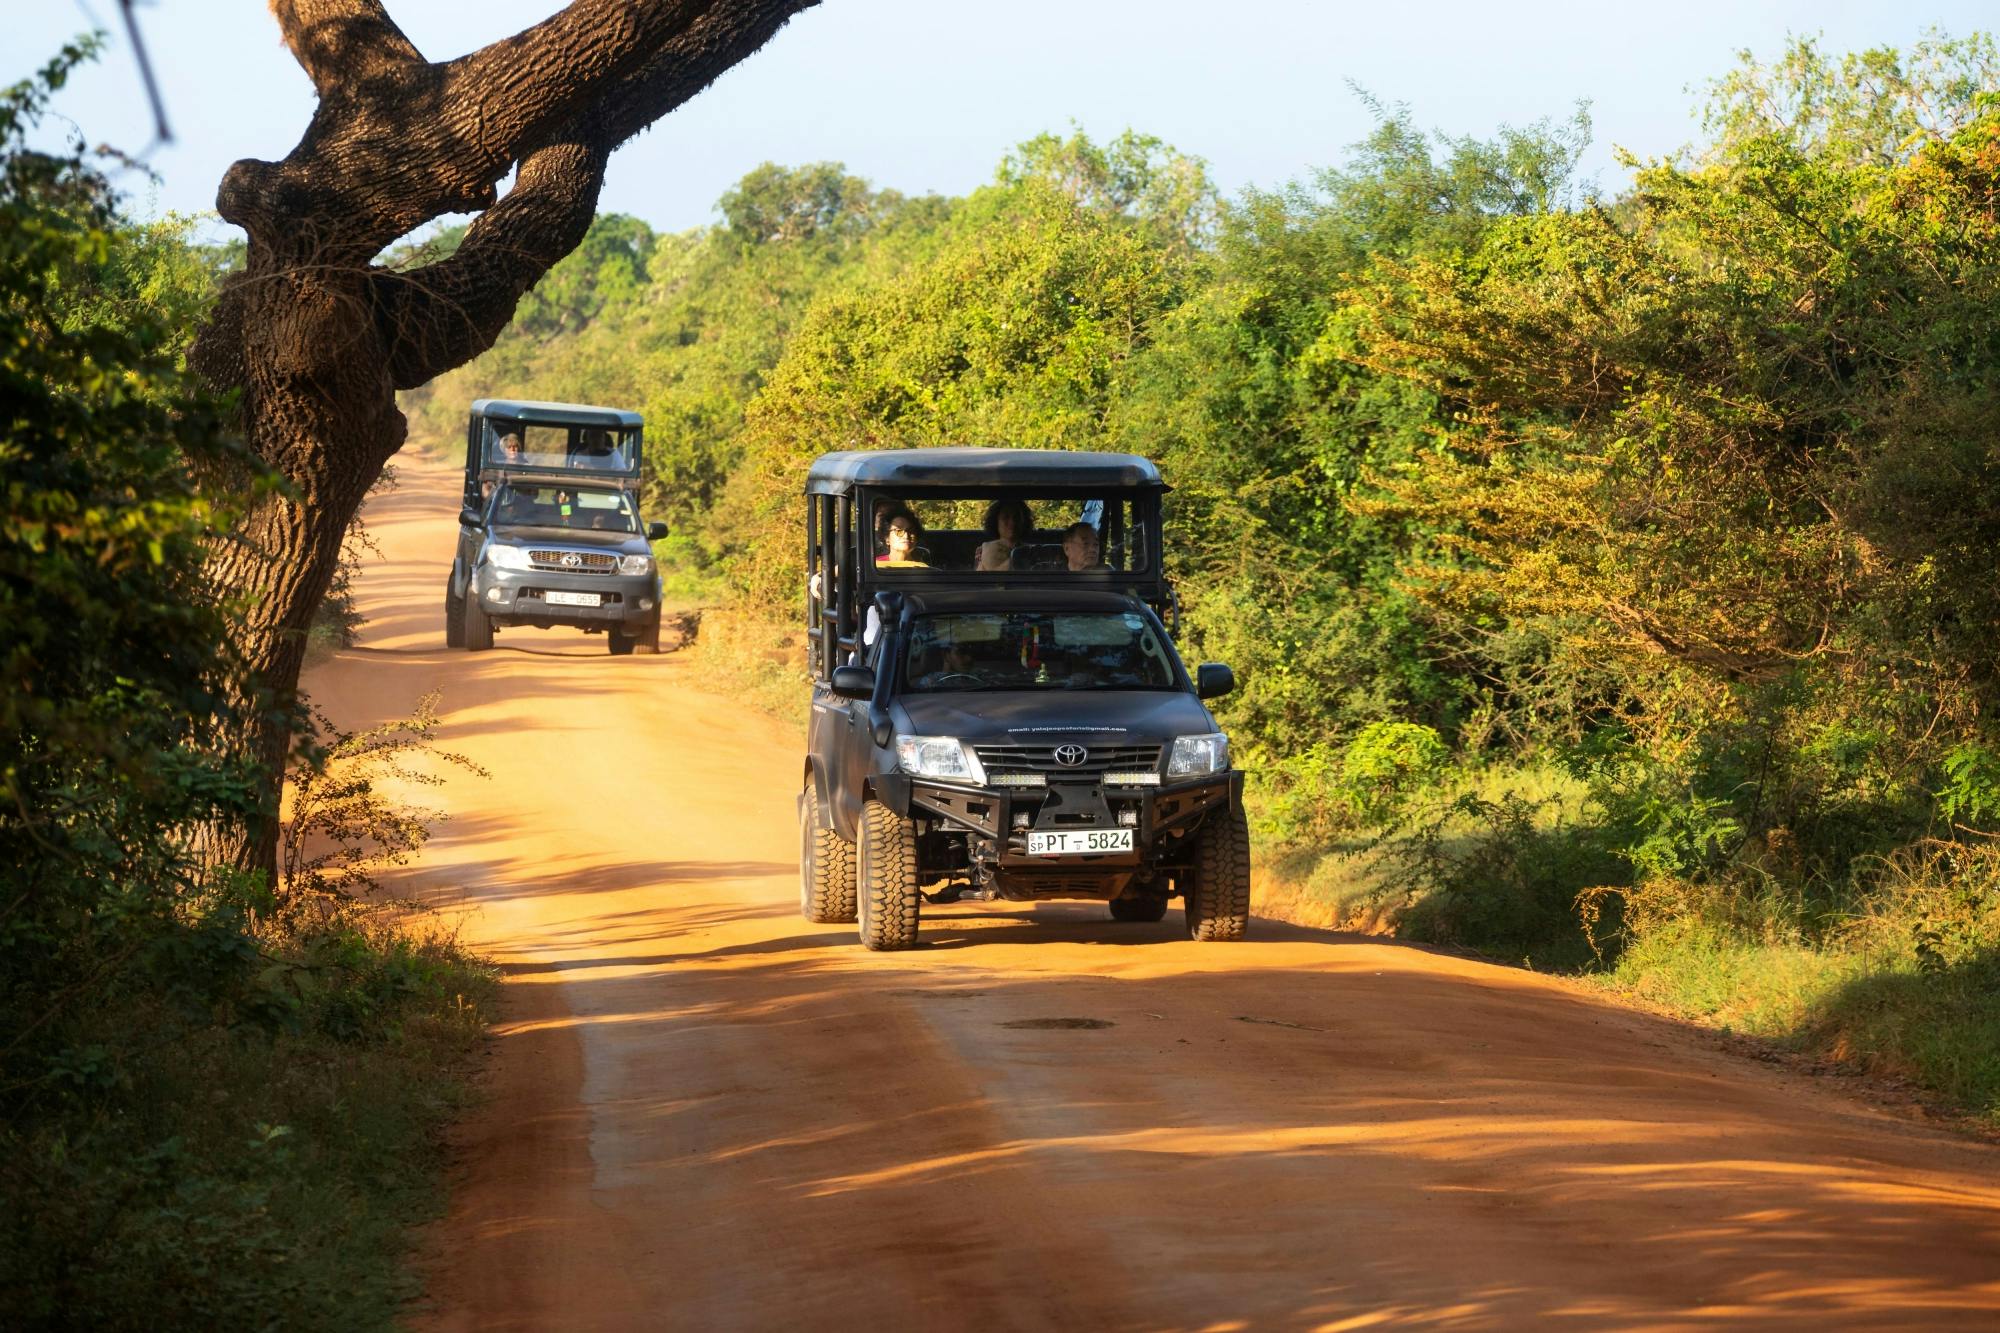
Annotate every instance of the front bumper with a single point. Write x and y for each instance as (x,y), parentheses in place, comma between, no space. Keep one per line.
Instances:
(520,597)
(1159,817)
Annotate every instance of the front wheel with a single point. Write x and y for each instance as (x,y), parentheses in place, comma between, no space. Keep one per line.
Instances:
(888,895)
(1217,894)
(454,619)
(478,626)
(826,866)
(621,643)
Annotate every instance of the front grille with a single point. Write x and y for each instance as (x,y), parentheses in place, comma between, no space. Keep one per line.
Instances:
(585,562)
(1102,759)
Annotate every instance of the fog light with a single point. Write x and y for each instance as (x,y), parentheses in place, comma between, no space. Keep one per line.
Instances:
(494,595)
(645,603)
(1021,819)
(1129,818)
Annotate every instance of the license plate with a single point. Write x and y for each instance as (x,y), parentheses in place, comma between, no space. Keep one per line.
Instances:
(575,598)
(1078,842)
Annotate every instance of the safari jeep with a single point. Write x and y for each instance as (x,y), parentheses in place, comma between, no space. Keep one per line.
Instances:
(549,531)
(997,706)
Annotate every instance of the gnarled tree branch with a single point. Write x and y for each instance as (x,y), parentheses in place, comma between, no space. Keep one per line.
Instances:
(343,43)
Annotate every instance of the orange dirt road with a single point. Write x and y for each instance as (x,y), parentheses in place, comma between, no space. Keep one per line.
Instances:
(706,1113)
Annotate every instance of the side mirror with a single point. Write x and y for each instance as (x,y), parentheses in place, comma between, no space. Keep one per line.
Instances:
(656,531)
(854,682)
(468,516)
(1212,680)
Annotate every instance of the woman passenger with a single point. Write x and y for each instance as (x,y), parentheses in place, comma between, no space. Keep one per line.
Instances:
(1008,524)
(902,534)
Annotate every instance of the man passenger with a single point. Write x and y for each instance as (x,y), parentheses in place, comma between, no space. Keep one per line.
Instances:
(1082,548)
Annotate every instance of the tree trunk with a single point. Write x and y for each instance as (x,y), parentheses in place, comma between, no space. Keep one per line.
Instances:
(318,339)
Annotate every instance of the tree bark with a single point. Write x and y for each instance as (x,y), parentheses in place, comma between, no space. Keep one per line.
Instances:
(317,338)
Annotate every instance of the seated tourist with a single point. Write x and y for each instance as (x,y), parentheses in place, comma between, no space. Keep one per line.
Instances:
(1082,549)
(1008,524)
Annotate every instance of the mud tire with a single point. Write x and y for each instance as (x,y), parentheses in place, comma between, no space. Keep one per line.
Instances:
(1145,907)
(887,893)
(454,619)
(826,867)
(620,643)
(649,642)
(478,627)
(1217,894)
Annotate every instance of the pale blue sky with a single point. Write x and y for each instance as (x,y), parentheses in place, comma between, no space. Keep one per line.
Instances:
(928,94)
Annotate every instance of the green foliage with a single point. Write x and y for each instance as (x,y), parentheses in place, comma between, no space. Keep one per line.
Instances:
(113,672)
(214,1111)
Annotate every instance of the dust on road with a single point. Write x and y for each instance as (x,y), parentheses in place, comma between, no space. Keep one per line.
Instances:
(706,1113)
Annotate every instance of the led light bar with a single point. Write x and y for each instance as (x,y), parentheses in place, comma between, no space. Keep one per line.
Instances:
(1016,780)
(1133,779)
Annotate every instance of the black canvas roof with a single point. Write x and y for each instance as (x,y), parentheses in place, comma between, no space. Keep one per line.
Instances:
(961,469)
(556,414)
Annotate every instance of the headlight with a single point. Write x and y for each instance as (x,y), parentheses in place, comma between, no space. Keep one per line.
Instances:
(635,564)
(1195,755)
(507,557)
(938,757)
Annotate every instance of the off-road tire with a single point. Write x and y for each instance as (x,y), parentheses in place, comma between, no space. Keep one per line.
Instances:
(478,627)
(887,893)
(1145,907)
(826,867)
(620,643)
(650,640)
(454,619)
(1217,895)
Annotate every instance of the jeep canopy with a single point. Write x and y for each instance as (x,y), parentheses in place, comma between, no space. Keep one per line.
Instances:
(984,518)
(508,437)
(992,472)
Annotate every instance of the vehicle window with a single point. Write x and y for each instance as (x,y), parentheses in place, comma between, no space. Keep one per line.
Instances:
(1036,651)
(1044,535)
(565,507)
(553,448)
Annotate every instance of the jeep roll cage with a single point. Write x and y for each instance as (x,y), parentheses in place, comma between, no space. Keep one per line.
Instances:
(595,446)
(843,489)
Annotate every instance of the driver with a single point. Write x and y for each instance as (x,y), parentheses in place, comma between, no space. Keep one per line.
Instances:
(957,662)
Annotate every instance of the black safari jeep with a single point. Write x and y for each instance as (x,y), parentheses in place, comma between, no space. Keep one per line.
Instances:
(998,709)
(549,531)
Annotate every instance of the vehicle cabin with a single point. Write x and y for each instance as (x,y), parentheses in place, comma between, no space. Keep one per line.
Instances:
(989,519)
(549,443)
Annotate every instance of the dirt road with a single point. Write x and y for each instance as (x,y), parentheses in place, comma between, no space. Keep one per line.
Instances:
(709,1114)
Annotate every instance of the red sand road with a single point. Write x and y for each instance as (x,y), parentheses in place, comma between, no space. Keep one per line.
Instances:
(706,1113)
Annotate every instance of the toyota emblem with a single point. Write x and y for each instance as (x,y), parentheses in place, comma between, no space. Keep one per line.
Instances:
(571,560)
(1069,756)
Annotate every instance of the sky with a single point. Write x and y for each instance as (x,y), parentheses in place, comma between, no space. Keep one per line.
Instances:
(928,95)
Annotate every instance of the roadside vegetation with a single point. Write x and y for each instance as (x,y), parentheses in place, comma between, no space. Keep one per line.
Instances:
(1608,566)
(219,1096)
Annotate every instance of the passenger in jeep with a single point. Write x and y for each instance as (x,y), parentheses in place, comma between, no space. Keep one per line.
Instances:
(904,531)
(1008,524)
(1082,549)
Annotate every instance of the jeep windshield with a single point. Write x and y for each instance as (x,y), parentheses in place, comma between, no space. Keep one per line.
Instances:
(588,508)
(1033,650)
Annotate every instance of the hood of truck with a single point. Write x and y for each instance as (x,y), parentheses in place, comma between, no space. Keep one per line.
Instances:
(582,539)
(1030,717)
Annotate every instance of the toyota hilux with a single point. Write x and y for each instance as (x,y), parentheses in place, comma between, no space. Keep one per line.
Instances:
(998,709)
